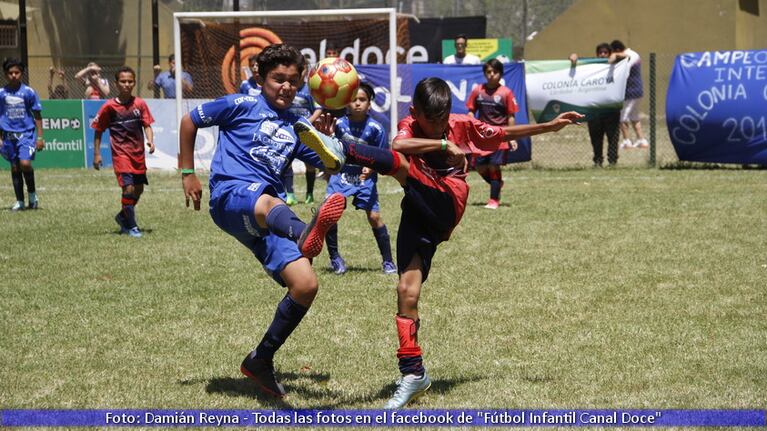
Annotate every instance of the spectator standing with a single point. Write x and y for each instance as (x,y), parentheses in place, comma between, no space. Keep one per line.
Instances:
(96,87)
(60,91)
(634,93)
(167,80)
(605,123)
(461,56)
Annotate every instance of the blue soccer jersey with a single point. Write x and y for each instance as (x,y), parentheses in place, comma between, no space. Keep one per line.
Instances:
(17,107)
(348,182)
(368,132)
(303,103)
(250,87)
(256,143)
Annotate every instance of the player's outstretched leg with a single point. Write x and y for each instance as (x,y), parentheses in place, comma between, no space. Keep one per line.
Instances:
(330,150)
(327,215)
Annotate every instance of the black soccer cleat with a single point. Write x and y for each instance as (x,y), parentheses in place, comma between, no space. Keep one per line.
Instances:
(262,373)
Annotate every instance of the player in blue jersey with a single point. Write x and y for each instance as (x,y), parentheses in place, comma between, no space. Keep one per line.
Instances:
(353,180)
(250,86)
(19,119)
(256,143)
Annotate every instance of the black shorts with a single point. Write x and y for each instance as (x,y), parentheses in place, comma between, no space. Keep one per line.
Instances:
(130,179)
(428,217)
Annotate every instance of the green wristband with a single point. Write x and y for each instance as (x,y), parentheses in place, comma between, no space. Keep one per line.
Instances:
(444,144)
(187,171)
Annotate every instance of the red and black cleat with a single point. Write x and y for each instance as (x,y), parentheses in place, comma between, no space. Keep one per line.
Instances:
(262,372)
(313,237)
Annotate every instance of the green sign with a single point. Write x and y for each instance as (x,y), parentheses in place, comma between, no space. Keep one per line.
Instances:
(485,49)
(63,133)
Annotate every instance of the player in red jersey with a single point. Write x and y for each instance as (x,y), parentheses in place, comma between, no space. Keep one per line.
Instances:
(494,104)
(428,159)
(129,122)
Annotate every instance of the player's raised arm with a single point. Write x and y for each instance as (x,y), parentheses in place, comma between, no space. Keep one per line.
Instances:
(522,130)
(192,188)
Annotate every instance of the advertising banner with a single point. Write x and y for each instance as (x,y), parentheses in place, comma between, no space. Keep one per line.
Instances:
(591,87)
(90,109)
(166,136)
(716,107)
(461,80)
(485,49)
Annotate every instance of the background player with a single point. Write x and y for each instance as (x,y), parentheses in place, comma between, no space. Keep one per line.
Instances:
(250,86)
(129,122)
(256,142)
(493,104)
(358,127)
(19,119)
(427,159)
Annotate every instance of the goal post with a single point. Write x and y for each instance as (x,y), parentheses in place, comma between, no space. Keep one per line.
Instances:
(387,14)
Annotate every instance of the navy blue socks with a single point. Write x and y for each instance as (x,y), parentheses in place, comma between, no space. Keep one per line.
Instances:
(382,239)
(283,222)
(287,317)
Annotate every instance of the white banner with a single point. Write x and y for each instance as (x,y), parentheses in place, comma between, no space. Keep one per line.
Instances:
(591,87)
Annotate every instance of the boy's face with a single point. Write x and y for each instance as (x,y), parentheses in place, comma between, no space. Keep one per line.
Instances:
(493,77)
(360,104)
(280,85)
(125,83)
(603,53)
(13,75)
(433,128)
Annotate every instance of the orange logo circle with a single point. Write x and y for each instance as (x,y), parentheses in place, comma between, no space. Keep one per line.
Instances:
(253,40)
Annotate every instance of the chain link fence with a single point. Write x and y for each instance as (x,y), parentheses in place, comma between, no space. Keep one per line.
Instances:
(568,149)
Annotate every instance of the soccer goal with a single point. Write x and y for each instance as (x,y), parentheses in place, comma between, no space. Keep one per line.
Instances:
(214,47)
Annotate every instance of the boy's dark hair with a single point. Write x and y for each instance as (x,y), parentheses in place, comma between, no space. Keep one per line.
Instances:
(279,54)
(12,62)
(617,45)
(171,57)
(432,98)
(602,46)
(368,89)
(460,36)
(124,69)
(495,64)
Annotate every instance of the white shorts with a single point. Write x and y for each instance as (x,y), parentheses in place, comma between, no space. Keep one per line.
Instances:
(630,111)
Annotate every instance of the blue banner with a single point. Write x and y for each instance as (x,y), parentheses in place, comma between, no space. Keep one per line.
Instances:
(461,80)
(382,418)
(716,107)
(90,109)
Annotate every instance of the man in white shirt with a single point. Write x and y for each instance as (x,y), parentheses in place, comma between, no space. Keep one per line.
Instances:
(461,57)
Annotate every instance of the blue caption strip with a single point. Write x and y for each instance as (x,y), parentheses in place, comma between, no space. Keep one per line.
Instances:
(383,418)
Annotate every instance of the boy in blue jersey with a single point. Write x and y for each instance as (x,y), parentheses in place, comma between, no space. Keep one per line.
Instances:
(250,86)
(256,142)
(353,180)
(19,119)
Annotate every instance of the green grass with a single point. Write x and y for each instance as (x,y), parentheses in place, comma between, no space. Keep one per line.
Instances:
(624,288)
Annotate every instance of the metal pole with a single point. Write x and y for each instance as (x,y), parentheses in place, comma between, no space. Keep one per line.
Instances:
(23,38)
(652,161)
(155,43)
(237,71)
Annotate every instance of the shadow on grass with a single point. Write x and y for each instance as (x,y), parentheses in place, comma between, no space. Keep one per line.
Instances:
(358,269)
(683,165)
(482,204)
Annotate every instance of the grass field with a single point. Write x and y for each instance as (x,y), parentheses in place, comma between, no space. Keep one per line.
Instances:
(612,288)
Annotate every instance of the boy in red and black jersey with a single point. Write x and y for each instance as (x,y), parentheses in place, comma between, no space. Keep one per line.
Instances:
(129,122)
(428,160)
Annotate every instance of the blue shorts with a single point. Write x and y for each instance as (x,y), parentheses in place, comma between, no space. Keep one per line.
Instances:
(365,192)
(232,205)
(18,146)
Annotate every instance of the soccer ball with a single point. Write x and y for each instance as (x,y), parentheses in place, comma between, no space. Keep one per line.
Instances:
(333,82)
